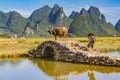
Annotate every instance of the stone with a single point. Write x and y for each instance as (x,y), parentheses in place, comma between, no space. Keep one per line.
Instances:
(73,51)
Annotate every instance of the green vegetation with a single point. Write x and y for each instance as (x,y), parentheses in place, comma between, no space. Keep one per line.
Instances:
(46,17)
(37,15)
(16,22)
(21,46)
(91,21)
(40,22)
(17,47)
(107,44)
(5,35)
(79,27)
(3,18)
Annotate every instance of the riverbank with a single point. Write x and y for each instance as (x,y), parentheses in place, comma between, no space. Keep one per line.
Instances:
(20,47)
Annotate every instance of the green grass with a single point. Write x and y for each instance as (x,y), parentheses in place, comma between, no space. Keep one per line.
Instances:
(21,46)
(107,44)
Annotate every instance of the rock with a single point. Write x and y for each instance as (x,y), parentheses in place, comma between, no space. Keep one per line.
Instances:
(73,51)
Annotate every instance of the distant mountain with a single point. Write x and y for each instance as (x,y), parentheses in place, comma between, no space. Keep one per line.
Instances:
(36,25)
(12,22)
(3,18)
(117,26)
(91,21)
(74,14)
(58,17)
(42,19)
(16,22)
(40,14)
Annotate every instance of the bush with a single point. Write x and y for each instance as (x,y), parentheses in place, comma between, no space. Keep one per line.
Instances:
(5,35)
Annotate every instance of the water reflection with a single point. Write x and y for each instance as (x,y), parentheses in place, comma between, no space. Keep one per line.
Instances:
(64,70)
(39,69)
(21,70)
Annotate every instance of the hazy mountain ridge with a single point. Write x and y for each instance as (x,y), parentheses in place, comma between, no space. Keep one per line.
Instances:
(42,19)
(91,20)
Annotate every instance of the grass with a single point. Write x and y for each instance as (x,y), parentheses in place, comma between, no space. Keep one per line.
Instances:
(10,47)
(107,44)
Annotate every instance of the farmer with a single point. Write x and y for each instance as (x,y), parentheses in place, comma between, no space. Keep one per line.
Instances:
(91,41)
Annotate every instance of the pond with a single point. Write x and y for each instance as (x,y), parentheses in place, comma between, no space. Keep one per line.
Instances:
(40,69)
(115,54)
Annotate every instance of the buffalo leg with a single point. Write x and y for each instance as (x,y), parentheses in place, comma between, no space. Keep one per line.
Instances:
(64,37)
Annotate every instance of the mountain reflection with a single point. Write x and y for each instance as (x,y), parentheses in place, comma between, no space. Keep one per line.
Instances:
(40,69)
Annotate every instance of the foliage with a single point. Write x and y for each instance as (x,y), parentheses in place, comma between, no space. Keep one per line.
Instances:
(79,27)
(40,14)
(5,35)
(91,21)
(16,22)
(3,18)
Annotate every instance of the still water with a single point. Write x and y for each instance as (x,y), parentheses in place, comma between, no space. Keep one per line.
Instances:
(39,69)
(115,54)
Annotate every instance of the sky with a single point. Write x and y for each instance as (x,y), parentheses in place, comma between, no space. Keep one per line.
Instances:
(110,8)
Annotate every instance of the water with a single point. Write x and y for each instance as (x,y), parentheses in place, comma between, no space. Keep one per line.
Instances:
(39,69)
(115,54)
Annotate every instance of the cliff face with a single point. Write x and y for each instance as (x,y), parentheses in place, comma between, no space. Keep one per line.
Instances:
(56,16)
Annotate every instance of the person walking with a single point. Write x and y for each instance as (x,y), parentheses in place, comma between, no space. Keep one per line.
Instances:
(91,41)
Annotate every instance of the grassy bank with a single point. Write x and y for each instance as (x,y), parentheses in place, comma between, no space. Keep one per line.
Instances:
(21,46)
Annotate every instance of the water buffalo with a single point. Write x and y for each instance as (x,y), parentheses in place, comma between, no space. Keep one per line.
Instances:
(59,31)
